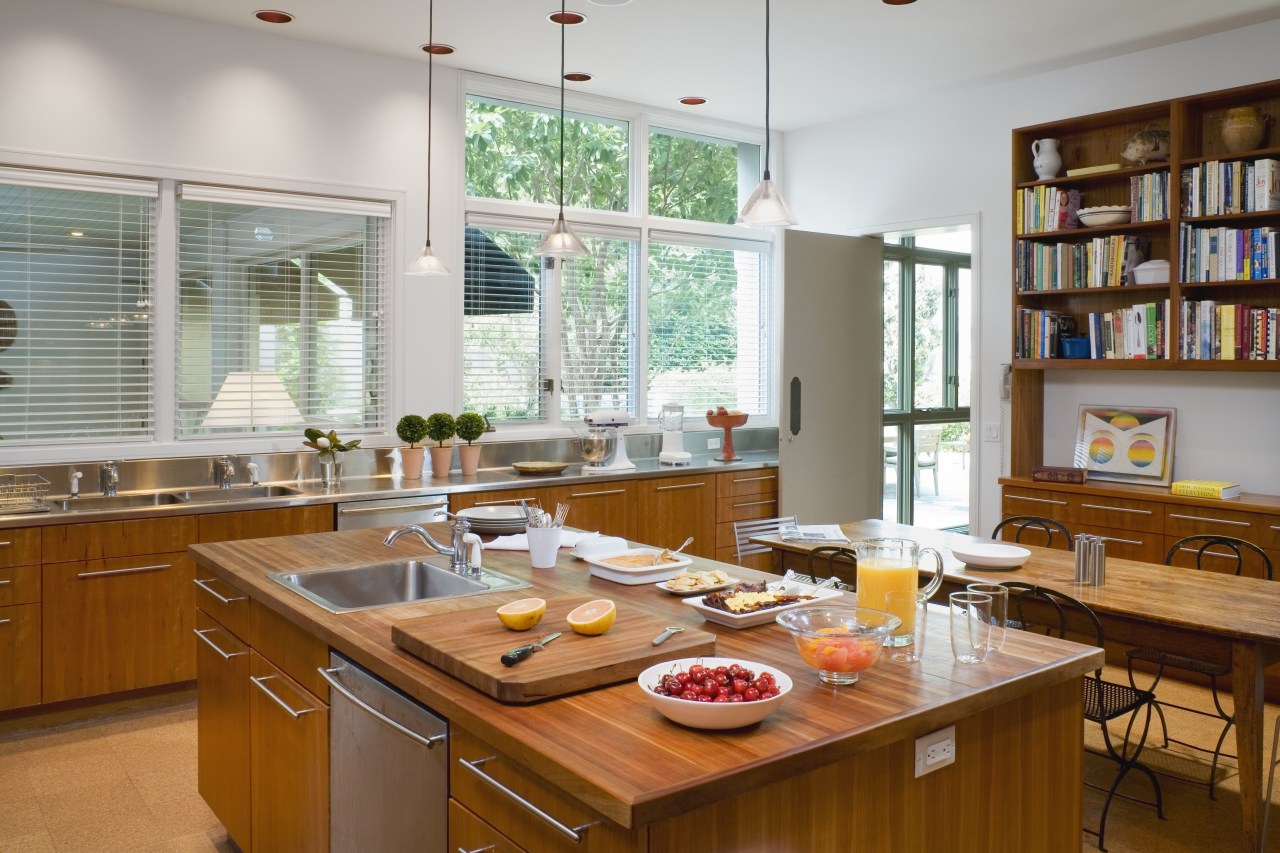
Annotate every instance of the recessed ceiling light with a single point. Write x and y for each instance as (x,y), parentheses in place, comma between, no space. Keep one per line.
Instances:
(566,18)
(272,16)
(693,101)
(577,76)
(74,233)
(438,49)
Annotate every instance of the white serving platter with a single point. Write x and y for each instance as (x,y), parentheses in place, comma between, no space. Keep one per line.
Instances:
(494,519)
(983,556)
(664,586)
(761,617)
(637,575)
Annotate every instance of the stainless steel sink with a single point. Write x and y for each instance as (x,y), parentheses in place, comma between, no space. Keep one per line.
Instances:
(348,588)
(94,503)
(238,493)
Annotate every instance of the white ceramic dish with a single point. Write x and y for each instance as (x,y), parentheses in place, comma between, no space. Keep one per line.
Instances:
(594,546)
(713,715)
(699,591)
(761,617)
(982,556)
(1109,214)
(494,519)
(639,574)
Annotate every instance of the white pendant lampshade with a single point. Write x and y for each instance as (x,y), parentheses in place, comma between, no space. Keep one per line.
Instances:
(427,263)
(252,399)
(560,241)
(765,206)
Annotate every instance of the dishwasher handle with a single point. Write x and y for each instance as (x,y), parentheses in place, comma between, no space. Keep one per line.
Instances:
(430,742)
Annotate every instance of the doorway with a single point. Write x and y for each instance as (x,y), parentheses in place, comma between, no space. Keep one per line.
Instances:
(928,298)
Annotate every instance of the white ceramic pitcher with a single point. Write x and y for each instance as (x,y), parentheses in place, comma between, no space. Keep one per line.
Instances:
(1045,158)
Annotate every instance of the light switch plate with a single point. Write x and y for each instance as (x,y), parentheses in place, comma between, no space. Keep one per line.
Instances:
(991,432)
(713,444)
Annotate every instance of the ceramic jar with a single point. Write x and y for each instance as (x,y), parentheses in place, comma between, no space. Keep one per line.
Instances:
(1045,158)
(1243,129)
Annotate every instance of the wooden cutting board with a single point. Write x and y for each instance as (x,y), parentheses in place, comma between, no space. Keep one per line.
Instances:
(468,644)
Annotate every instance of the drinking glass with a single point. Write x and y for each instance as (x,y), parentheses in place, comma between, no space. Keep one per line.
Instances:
(999,612)
(914,604)
(970,626)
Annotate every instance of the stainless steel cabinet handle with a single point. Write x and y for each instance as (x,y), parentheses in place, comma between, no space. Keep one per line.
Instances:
(1118,539)
(678,486)
(5,544)
(202,632)
(1117,509)
(574,833)
(754,479)
(204,584)
(5,582)
(1034,500)
(484,849)
(1209,553)
(596,494)
(1210,520)
(133,571)
(292,713)
(1275,527)
(5,621)
(429,742)
(756,503)
(358,510)
(530,500)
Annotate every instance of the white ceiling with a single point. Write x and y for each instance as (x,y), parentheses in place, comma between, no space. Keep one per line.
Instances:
(831,58)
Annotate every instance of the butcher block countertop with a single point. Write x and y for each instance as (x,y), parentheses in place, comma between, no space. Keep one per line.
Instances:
(607,747)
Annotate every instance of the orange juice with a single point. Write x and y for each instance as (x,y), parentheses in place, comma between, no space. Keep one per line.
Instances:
(877,577)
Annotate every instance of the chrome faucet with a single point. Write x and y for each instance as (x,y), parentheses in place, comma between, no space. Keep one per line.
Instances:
(109,477)
(457,555)
(224,471)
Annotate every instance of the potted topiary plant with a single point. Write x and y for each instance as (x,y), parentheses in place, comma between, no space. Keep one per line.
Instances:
(469,426)
(412,429)
(440,428)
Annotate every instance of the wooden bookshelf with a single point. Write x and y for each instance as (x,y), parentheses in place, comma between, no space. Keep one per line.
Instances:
(1194,124)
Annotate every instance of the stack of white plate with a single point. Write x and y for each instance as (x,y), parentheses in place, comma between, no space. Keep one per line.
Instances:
(502,520)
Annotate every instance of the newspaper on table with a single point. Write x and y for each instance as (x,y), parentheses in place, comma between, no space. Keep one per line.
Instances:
(812,533)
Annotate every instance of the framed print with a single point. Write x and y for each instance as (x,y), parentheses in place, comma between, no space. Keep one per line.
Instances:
(1126,444)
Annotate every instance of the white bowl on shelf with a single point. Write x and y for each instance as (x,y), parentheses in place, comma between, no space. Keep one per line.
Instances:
(1107,214)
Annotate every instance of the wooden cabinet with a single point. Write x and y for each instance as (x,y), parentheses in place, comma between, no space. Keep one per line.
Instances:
(606,507)
(255,524)
(20,547)
(744,496)
(1058,270)
(469,834)
(222,709)
(674,508)
(19,656)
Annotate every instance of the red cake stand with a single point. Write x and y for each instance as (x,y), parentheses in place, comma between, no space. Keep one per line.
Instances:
(727,423)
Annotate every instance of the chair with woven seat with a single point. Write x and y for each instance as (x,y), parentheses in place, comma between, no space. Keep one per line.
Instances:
(1049,612)
(744,530)
(1048,526)
(1233,550)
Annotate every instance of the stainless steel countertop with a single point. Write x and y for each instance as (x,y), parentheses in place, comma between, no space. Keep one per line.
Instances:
(388,486)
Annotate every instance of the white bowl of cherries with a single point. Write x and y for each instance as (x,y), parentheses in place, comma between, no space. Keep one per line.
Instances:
(714,693)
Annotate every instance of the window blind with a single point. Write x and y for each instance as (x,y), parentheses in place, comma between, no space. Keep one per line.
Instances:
(709,319)
(279,290)
(598,329)
(76,319)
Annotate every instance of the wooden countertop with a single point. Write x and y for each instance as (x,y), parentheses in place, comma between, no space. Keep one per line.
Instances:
(607,747)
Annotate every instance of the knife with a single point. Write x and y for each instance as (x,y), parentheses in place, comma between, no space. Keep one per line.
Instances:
(514,656)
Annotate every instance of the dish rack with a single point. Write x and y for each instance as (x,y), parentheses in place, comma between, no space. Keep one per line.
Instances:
(23,493)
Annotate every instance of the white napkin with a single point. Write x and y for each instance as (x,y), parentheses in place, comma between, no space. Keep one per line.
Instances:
(520,542)
(812,533)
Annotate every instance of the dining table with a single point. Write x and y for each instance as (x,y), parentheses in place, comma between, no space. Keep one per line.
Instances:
(1213,616)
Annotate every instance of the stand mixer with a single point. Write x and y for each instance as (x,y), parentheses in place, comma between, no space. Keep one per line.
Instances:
(671,422)
(603,446)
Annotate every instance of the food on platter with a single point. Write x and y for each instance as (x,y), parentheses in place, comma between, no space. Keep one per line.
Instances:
(696,581)
(751,598)
(721,411)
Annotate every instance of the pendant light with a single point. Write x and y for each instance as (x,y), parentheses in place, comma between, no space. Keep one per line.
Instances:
(427,263)
(560,241)
(765,206)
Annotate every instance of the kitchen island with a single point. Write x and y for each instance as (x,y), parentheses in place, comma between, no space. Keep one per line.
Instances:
(831,770)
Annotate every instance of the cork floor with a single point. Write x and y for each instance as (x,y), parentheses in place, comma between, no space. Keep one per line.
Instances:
(121,782)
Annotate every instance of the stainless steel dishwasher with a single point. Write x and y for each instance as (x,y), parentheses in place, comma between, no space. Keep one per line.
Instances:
(388,766)
(392,512)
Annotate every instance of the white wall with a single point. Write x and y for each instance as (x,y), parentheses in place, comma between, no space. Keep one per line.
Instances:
(949,156)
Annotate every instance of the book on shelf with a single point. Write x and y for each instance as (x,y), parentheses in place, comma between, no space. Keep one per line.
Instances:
(1058,474)
(1205,488)
(1227,331)
(1092,170)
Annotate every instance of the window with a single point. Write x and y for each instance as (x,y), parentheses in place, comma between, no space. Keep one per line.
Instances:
(76,318)
(650,316)
(289,290)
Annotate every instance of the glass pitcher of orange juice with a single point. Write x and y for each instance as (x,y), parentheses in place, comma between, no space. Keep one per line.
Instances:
(888,565)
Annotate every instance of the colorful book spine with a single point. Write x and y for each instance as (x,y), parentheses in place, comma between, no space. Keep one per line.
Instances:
(1205,488)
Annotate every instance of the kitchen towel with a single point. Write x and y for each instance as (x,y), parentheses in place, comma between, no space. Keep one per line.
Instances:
(520,542)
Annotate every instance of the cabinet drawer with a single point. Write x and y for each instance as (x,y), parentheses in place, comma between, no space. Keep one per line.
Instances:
(1268,531)
(525,807)
(1182,521)
(533,496)
(469,834)
(256,524)
(222,716)
(1128,544)
(20,547)
(746,507)
(1116,513)
(105,539)
(1217,559)
(223,602)
(298,653)
(19,656)
(747,483)
(1019,501)
(19,585)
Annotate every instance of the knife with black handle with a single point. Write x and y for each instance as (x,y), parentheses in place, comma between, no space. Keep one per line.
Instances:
(514,656)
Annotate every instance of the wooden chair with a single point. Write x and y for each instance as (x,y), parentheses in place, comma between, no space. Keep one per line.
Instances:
(1231,548)
(1048,526)
(1055,614)
(744,530)
(928,446)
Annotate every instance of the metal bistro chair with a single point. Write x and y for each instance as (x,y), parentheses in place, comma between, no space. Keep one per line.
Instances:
(1200,545)
(829,555)
(1055,614)
(744,530)
(1048,526)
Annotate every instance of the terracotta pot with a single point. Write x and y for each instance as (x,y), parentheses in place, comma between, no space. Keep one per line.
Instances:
(411,462)
(441,459)
(1243,129)
(469,459)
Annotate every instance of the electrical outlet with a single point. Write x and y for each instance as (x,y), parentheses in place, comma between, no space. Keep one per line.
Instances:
(991,431)
(713,444)
(934,750)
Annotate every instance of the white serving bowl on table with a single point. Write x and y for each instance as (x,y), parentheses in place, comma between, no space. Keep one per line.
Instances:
(712,715)
(635,575)
(982,555)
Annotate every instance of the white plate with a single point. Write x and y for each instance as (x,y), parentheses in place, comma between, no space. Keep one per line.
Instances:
(494,519)
(761,617)
(640,574)
(982,556)
(700,590)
